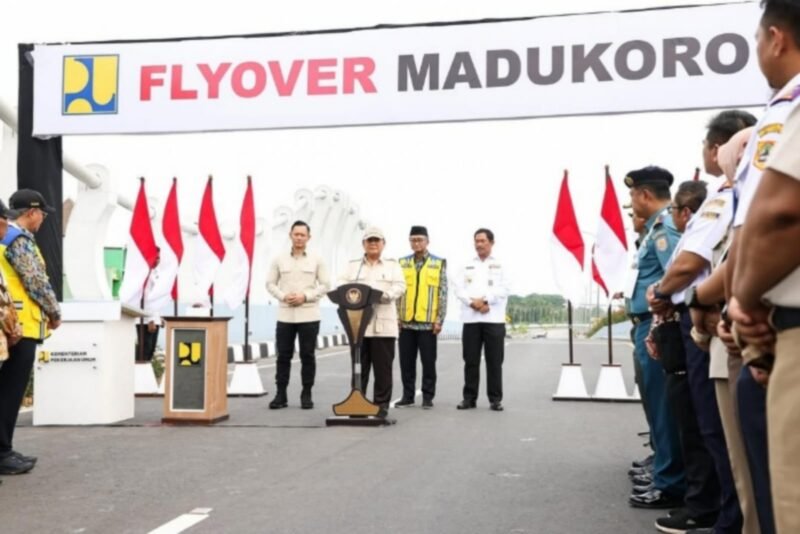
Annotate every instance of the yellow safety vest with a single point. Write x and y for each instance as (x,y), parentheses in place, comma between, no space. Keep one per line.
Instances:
(34,323)
(421,302)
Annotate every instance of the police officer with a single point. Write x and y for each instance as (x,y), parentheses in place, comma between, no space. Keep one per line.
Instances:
(422,311)
(379,339)
(482,287)
(650,198)
(38,311)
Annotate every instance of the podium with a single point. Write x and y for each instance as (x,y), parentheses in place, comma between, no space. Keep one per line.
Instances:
(196,370)
(356,303)
(83,372)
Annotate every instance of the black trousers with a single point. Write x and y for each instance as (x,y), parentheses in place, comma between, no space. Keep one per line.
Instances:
(703,496)
(491,338)
(285,334)
(704,397)
(378,353)
(410,342)
(14,376)
(148,340)
(751,398)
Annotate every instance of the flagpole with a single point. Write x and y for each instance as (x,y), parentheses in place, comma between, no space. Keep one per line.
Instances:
(610,349)
(248,357)
(211,313)
(569,320)
(141,325)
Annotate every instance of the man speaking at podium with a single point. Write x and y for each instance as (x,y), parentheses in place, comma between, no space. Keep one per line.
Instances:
(378,347)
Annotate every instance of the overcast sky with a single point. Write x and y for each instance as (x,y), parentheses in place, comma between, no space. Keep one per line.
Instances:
(453,178)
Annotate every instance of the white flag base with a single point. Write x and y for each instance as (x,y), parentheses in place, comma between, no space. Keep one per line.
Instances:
(246,381)
(636,397)
(145,384)
(611,385)
(571,385)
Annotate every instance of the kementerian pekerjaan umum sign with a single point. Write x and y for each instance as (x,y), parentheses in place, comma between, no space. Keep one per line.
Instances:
(662,59)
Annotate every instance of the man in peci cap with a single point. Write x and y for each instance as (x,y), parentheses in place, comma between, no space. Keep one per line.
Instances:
(422,310)
(24,272)
(378,345)
(650,199)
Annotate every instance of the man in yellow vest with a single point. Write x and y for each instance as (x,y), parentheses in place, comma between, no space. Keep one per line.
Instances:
(37,306)
(421,310)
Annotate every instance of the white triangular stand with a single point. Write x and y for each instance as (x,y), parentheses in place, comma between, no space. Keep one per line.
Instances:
(571,385)
(246,381)
(145,380)
(611,385)
(636,397)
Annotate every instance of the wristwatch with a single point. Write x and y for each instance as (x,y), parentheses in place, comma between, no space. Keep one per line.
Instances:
(658,294)
(690,297)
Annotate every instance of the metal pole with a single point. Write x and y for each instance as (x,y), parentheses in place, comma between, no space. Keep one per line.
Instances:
(569,320)
(610,349)
(357,368)
(141,328)
(211,295)
(247,356)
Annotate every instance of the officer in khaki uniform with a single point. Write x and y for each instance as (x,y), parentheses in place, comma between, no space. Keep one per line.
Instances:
(379,339)
(766,310)
(298,279)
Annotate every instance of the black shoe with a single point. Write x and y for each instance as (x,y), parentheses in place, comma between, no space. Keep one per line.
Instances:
(642,480)
(496,406)
(639,471)
(427,404)
(31,459)
(279,401)
(465,405)
(681,523)
(13,465)
(646,462)
(701,531)
(305,399)
(654,500)
(641,490)
(383,413)
(404,403)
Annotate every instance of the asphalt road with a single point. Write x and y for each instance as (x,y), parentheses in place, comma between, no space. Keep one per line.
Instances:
(538,467)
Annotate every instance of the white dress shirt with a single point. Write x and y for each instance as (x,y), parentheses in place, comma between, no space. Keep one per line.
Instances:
(486,280)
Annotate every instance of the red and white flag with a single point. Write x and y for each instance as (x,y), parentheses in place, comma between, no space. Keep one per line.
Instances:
(141,254)
(165,284)
(567,251)
(610,252)
(209,249)
(242,253)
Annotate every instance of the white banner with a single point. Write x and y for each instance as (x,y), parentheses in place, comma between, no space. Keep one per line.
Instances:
(664,59)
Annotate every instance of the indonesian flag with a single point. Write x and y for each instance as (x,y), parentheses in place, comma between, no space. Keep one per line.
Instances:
(243,251)
(610,252)
(141,253)
(567,250)
(165,285)
(209,249)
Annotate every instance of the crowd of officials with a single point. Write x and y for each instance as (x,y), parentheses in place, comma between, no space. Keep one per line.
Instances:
(411,313)
(716,314)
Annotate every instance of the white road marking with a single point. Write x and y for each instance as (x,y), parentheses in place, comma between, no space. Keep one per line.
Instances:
(416,394)
(183,522)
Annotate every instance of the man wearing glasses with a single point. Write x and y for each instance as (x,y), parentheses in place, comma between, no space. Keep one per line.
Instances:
(422,311)
(38,311)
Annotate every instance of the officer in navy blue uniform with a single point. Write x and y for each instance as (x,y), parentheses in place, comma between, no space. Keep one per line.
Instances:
(650,199)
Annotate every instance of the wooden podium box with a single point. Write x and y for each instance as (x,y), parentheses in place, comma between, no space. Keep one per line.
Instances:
(196,370)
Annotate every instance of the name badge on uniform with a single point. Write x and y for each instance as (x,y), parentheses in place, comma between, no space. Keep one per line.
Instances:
(630,282)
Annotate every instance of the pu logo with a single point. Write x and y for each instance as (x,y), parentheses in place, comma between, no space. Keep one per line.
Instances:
(189,353)
(44,356)
(90,85)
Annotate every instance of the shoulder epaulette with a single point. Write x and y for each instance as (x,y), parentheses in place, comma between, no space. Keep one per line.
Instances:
(789,95)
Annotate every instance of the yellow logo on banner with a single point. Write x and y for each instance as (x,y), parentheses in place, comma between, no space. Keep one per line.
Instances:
(91,85)
(189,353)
(44,356)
